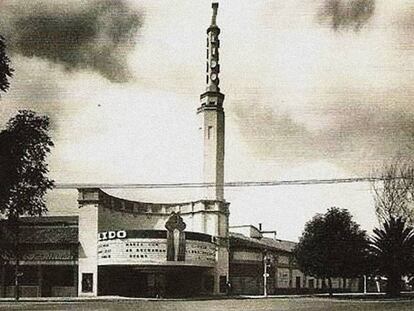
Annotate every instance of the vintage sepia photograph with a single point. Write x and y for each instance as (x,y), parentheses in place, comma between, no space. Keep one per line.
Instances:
(207,155)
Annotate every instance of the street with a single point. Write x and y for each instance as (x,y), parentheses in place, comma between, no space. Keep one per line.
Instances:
(274,304)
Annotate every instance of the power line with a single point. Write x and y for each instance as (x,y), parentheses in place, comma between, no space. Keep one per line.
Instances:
(235,184)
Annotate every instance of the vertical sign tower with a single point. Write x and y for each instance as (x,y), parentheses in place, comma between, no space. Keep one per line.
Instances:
(212,117)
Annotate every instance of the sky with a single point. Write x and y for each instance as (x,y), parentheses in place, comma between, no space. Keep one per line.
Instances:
(314,89)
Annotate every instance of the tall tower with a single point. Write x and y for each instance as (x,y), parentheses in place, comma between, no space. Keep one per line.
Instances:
(212,117)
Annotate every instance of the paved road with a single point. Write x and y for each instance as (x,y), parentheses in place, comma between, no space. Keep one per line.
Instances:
(274,304)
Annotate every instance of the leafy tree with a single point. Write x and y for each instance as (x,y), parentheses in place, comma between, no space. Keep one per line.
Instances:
(25,144)
(5,70)
(393,250)
(332,245)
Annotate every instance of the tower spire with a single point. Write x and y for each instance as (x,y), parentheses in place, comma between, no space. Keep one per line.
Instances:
(211,114)
(214,5)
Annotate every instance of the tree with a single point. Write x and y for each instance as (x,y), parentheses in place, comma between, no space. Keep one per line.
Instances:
(332,245)
(392,243)
(25,144)
(393,192)
(393,250)
(5,70)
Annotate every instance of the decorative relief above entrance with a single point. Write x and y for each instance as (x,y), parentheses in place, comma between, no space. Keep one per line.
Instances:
(175,238)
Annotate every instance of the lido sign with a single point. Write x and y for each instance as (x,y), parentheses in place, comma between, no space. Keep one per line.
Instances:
(111,235)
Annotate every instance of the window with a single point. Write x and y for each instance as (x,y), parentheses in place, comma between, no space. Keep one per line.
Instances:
(209,132)
(87,282)
(28,275)
(311,283)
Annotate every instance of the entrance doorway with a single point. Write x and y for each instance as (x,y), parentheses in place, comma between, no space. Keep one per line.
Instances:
(298,282)
(164,281)
(120,281)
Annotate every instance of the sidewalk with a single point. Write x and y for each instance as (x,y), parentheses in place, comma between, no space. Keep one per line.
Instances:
(121,298)
(71,299)
(340,296)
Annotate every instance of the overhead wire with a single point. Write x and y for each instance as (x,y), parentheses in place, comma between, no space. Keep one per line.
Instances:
(234,184)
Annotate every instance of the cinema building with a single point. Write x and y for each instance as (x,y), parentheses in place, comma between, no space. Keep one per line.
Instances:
(121,247)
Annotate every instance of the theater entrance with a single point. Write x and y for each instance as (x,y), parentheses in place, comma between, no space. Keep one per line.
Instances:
(162,282)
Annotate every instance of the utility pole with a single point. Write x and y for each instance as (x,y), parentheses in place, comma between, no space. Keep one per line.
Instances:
(265,274)
(17,273)
(365,284)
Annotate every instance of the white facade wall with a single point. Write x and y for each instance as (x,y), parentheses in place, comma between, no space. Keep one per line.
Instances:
(88,247)
(212,131)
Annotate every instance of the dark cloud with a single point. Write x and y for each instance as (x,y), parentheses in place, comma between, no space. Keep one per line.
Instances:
(97,36)
(346,14)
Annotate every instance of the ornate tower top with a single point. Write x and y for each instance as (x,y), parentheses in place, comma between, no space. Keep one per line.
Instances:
(214,5)
(213,44)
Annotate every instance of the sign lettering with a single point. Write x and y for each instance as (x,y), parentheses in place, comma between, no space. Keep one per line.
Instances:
(111,235)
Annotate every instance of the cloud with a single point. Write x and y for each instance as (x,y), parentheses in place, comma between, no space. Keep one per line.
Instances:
(346,14)
(273,134)
(368,128)
(360,129)
(97,36)
(345,99)
(36,85)
(405,28)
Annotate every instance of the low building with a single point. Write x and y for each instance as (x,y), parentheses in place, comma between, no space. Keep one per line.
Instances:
(49,257)
(256,255)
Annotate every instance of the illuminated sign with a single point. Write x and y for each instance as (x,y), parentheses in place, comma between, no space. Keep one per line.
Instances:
(110,235)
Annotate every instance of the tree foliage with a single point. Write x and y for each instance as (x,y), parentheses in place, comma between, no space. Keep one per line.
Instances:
(5,70)
(393,193)
(25,144)
(393,250)
(332,245)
